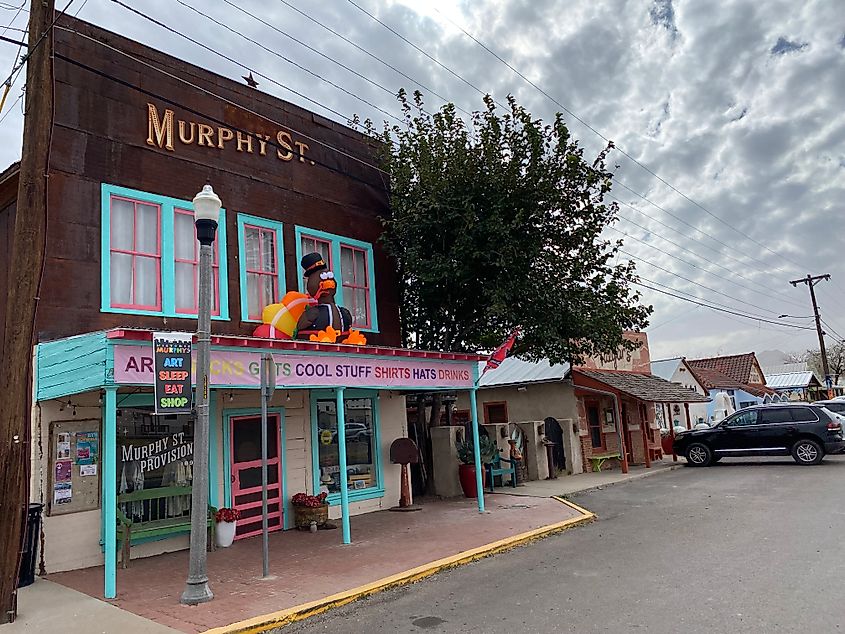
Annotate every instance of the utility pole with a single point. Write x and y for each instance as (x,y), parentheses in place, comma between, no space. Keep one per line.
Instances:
(28,246)
(811,281)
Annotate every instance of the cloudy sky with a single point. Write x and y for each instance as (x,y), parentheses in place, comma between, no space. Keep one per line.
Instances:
(736,105)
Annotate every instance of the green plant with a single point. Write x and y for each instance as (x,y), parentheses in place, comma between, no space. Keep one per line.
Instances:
(466,451)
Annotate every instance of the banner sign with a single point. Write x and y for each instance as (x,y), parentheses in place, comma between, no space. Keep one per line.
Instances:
(173,372)
(234,368)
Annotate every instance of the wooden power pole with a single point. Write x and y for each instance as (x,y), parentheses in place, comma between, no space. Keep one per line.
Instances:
(28,246)
(811,281)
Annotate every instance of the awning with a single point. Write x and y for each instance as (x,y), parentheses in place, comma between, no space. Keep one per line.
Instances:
(645,387)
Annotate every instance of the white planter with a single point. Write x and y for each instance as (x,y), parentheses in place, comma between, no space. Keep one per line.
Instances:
(225,534)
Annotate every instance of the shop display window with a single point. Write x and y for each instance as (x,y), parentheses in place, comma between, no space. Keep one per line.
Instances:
(361,471)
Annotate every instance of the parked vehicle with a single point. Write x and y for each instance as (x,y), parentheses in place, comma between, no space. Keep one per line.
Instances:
(806,432)
(836,405)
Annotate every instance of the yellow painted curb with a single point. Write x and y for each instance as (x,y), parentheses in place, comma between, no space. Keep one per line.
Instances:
(313,608)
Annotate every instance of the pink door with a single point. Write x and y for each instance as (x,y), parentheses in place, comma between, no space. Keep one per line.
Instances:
(246,473)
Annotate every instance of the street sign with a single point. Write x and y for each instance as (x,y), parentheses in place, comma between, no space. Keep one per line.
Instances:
(268,374)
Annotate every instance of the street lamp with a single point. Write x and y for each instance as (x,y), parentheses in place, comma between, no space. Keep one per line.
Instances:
(206,213)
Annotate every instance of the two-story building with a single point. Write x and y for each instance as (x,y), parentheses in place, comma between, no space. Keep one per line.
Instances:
(135,135)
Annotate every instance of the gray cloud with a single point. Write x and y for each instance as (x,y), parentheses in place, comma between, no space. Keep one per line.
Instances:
(740,109)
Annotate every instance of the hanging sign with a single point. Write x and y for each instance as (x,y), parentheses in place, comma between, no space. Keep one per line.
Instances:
(172,362)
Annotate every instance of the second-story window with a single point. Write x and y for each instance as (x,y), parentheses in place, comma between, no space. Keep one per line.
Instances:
(135,254)
(352,263)
(150,256)
(261,271)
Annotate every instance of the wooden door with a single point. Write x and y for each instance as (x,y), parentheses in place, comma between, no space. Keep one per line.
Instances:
(246,473)
(626,431)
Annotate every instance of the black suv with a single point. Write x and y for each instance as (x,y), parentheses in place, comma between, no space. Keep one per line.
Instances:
(806,432)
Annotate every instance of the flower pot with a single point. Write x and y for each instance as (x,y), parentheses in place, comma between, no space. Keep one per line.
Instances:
(466,475)
(225,533)
(304,515)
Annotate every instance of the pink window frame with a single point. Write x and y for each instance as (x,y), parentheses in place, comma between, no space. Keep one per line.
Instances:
(135,253)
(215,270)
(356,286)
(260,272)
(314,249)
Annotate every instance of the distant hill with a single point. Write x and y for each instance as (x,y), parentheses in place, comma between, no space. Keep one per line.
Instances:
(769,358)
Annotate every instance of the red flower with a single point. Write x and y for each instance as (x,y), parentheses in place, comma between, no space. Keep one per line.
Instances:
(309,501)
(227,515)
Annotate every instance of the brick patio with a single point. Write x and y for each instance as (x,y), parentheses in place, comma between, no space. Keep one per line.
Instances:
(307,567)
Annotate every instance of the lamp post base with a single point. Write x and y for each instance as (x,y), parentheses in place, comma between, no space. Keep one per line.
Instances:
(196,593)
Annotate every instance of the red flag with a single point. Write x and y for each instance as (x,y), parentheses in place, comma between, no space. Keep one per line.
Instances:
(501,352)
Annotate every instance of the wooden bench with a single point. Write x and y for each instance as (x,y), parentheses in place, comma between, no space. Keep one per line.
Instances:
(155,514)
(597,460)
(495,468)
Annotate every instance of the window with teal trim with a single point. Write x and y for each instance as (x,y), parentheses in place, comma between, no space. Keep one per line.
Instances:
(352,263)
(261,271)
(150,256)
(361,459)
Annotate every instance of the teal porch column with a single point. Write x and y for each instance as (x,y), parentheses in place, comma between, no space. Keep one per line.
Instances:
(476,444)
(341,454)
(110,490)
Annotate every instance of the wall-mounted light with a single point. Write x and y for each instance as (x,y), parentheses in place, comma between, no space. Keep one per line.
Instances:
(287,398)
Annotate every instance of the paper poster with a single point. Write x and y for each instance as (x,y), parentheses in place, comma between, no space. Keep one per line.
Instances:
(63,471)
(86,447)
(62,492)
(88,470)
(63,446)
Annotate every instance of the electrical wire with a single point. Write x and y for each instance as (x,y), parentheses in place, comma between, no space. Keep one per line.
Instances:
(227,101)
(38,42)
(290,61)
(607,140)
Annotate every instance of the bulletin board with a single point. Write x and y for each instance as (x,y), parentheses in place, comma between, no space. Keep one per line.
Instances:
(75,466)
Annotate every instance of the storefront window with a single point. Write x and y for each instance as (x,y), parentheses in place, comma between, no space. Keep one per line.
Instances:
(154,452)
(356,284)
(135,254)
(360,445)
(261,264)
(186,257)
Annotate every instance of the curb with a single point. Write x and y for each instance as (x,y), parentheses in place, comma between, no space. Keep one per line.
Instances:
(277,620)
(636,476)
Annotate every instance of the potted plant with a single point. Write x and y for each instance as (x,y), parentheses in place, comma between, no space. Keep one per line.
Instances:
(308,509)
(466,470)
(227,521)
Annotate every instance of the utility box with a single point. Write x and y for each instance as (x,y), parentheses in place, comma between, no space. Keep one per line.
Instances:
(445,459)
(534,453)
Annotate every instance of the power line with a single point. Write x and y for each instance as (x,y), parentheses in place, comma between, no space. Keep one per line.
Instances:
(721,310)
(228,101)
(37,42)
(370,54)
(289,61)
(693,264)
(607,140)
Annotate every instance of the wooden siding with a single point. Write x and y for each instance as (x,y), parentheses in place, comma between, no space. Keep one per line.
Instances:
(100,135)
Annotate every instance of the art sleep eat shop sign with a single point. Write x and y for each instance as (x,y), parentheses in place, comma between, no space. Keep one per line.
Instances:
(172,361)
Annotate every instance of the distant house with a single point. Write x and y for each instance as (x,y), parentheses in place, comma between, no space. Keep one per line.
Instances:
(795,381)
(677,370)
(739,375)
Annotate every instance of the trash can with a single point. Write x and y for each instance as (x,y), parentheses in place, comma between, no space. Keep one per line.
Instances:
(26,576)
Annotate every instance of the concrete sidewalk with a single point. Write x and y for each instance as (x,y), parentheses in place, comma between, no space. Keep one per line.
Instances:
(568,485)
(51,607)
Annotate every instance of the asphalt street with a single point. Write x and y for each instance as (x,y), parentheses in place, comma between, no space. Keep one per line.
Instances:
(748,545)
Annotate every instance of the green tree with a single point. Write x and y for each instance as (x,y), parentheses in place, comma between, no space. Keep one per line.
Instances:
(497,224)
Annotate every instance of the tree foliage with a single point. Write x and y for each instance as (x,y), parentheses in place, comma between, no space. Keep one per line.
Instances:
(835,361)
(497,224)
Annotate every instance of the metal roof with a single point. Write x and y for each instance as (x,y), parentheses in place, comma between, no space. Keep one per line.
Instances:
(789,380)
(515,371)
(665,368)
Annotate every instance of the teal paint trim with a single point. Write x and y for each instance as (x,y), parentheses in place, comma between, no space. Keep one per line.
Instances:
(228,414)
(213,488)
(376,491)
(70,366)
(479,486)
(136,400)
(243,220)
(167,263)
(336,241)
(341,455)
(109,495)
